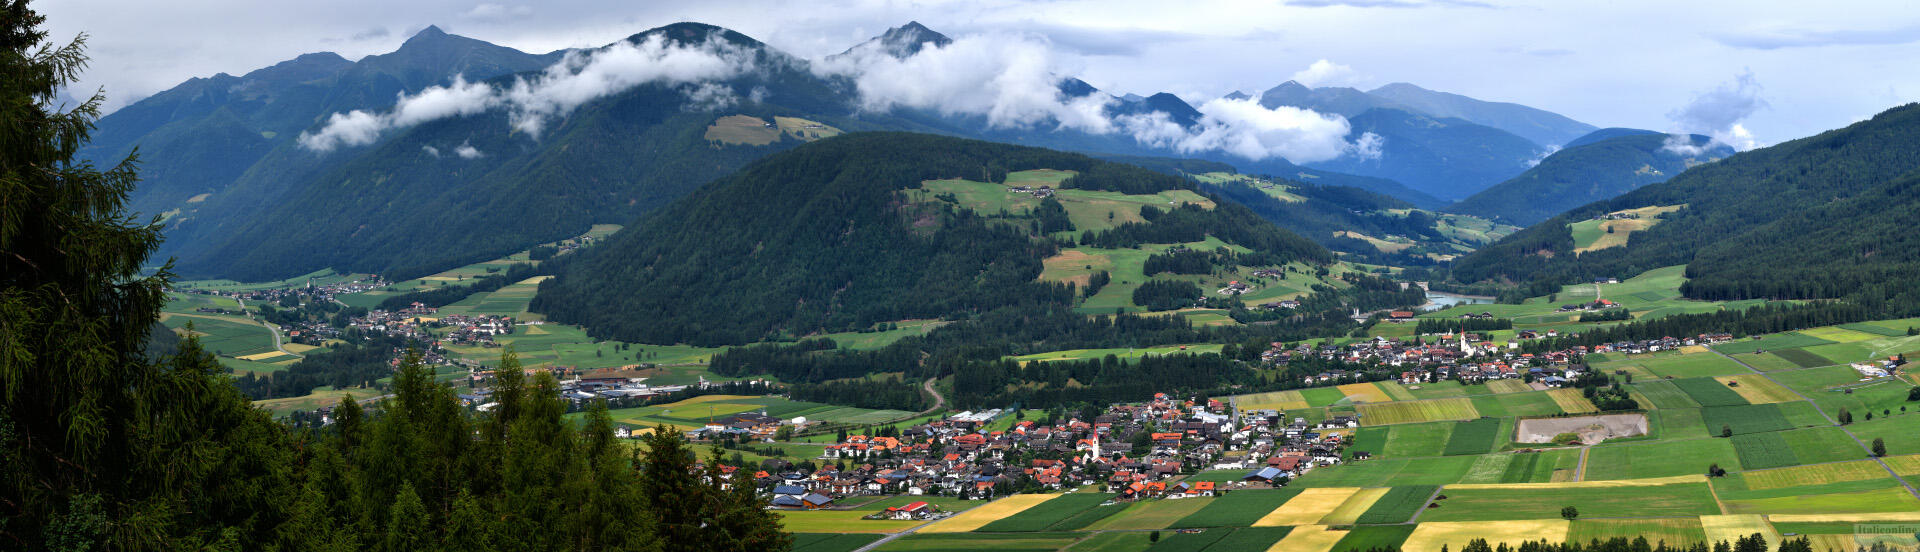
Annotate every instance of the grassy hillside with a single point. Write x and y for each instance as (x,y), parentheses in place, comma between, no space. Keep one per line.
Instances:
(1808,219)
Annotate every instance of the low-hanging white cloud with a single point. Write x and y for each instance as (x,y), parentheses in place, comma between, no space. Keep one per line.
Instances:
(1327,73)
(581,78)
(1718,113)
(578,78)
(467,151)
(1245,128)
(1015,82)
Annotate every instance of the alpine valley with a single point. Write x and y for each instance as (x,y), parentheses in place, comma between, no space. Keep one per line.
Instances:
(687,291)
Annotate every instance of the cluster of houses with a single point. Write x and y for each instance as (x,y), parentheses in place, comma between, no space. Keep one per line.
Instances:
(323,292)
(1597,304)
(1042,192)
(1136,451)
(478,330)
(1468,357)
(1235,288)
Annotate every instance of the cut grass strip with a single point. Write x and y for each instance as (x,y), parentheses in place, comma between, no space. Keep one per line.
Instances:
(1571,401)
(1803,358)
(1150,514)
(1398,505)
(1377,537)
(1709,392)
(1251,538)
(1040,517)
(1545,503)
(1663,394)
(1733,527)
(1675,532)
(1814,475)
(1508,386)
(1757,389)
(1405,412)
(1364,393)
(1350,511)
(1475,437)
(1238,508)
(1749,418)
(1764,450)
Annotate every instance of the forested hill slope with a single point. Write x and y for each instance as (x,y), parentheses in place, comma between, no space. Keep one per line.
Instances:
(1586,173)
(851,231)
(1820,217)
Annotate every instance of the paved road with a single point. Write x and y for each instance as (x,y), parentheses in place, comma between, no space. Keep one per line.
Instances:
(272,329)
(1823,413)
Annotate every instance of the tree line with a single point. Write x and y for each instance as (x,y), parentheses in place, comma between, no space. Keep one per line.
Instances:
(106,447)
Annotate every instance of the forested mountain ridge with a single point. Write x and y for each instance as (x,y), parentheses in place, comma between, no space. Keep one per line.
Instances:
(203,135)
(461,189)
(1818,217)
(843,233)
(1589,172)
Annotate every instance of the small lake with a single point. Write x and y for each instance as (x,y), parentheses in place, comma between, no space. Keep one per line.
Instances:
(1437,300)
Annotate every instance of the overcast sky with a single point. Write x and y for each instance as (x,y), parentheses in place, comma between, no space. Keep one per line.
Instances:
(1781,70)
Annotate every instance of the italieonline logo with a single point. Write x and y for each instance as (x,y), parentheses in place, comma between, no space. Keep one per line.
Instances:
(1887,537)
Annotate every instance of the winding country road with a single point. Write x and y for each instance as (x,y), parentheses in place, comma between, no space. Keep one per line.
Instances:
(939,402)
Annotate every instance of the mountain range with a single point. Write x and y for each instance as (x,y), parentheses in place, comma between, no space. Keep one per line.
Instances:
(243,198)
(1601,165)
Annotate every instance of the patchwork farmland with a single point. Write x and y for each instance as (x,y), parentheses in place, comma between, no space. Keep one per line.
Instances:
(1441,465)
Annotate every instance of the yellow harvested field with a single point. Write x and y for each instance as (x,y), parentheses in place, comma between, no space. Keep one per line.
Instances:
(1277,400)
(1904,465)
(1405,412)
(1757,389)
(1572,401)
(988,513)
(1308,507)
(1350,511)
(1430,537)
(1848,518)
(258,356)
(1814,475)
(1692,349)
(1731,528)
(1648,482)
(1364,392)
(1508,386)
(298,348)
(1073,266)
(1831,542)
(1308,538)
